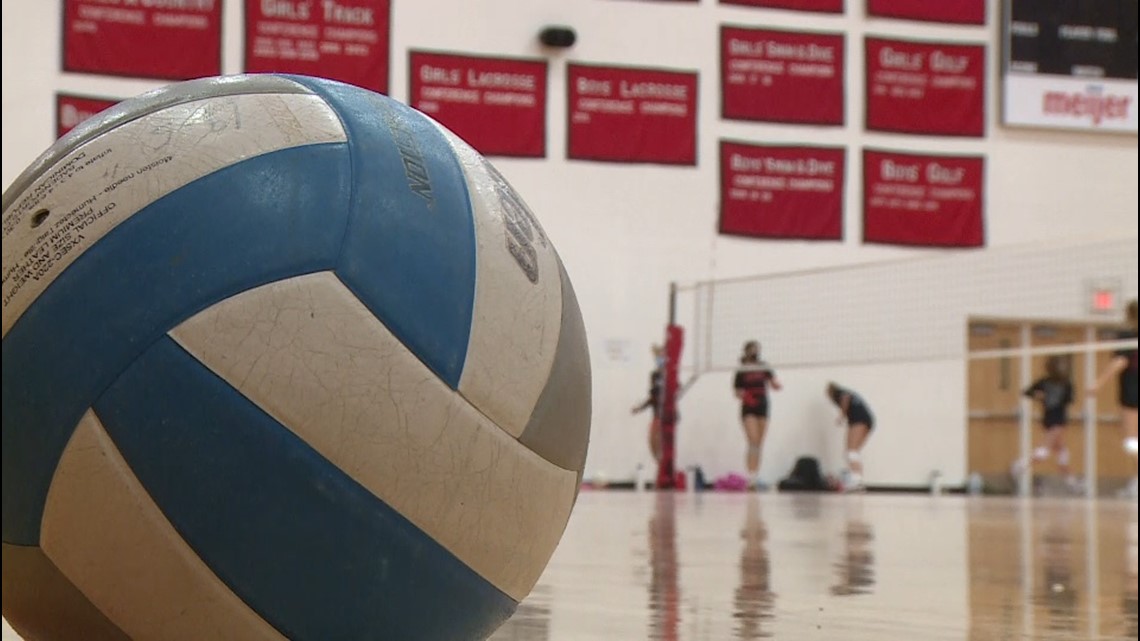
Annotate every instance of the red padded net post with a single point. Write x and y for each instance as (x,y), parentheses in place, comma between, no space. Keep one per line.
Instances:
(666,472)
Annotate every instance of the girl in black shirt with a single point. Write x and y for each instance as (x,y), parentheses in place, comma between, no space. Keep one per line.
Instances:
(656,383)
(1055,393)
(1123,366)
(856,415)
(751,386)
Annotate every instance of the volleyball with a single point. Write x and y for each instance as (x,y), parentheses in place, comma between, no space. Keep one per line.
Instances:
(283,358)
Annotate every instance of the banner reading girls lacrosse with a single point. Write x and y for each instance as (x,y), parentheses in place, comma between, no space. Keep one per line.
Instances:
(161,40)
(926,87)
(497,105)
(344,40)
(71,110)
(622,114)
(926,200)
(771,191)
(781,76)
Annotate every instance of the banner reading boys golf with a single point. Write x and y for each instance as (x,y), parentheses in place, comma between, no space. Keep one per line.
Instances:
(71,110)
(926,200)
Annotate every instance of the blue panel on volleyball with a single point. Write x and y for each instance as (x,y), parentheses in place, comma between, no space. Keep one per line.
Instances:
(271,217)
(310,550)
(410,251)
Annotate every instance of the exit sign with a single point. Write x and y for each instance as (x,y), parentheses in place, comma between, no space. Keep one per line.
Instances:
(1103,296)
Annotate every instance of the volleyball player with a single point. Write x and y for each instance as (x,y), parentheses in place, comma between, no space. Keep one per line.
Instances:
(1123,366)
(856,414)
(1055,393)
(751,386)
(653,402)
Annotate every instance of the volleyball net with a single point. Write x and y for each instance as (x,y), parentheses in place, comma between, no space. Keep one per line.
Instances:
(983,324)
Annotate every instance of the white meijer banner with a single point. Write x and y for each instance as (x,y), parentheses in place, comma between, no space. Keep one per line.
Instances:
(1105,104)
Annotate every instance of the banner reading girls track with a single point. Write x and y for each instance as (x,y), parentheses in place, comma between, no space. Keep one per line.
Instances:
(344,40)
(71,110)
(816,6)
(926,88)
(769,191)
(161,40)
(497,105)
(951,11)
(623,114)
(925,200)
(781,76)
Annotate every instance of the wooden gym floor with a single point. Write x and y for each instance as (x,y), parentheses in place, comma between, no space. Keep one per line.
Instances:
(875,567)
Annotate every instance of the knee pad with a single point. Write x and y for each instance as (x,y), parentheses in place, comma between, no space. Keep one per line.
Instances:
(1063,457)
(853,456)
(1041,454)
(1131,446)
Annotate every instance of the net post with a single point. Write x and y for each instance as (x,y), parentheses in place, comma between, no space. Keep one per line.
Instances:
(1025,416)
(1090,415)
(674,339)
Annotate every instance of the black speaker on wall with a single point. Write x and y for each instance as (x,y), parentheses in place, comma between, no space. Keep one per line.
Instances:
(558,37)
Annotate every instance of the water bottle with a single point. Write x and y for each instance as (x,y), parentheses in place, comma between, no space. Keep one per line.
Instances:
(975,485)
(936,482)
(639,478)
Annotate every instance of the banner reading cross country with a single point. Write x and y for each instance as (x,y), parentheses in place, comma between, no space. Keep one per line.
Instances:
(771,191)
(923,200)
(623,114)
(160,40)
(781,76)
(71,110)
(950,11)
(925,87)
(817,6)
(344,40)
(497,105)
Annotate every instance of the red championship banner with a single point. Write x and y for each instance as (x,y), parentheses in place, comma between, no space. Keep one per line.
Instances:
(166,40)
(781,76)
(816,6)
(497,105)
(769,191)
(71,110)
(622,114)
(932,201)
(344,40)
(926,88)
(951,11)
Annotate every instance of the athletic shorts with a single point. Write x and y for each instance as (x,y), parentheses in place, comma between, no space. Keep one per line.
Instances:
(1054,419)
(860,414)
(756,408)
(1128,397)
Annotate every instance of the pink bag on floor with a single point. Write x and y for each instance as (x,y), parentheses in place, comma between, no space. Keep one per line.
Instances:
(731,483)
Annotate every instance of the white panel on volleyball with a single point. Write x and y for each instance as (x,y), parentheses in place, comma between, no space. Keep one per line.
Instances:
(87,190)
(513,338)
(309,353)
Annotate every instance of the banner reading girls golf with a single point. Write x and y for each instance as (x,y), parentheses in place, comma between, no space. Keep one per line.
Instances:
(926,87)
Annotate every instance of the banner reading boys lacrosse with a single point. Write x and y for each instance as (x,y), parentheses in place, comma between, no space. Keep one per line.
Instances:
(623,114)
(926,200)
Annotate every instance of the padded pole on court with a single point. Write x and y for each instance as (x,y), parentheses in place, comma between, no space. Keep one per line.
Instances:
(1090,415)
(666,469)
(1025,416)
